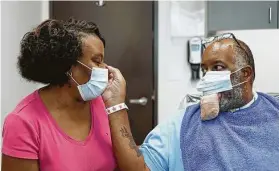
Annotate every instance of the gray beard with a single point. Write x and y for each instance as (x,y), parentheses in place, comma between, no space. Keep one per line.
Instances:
(231,99)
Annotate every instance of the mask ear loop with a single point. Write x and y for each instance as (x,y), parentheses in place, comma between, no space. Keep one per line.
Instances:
(240,83)
(237,71)
(240,69)
(84,65)
(71,75)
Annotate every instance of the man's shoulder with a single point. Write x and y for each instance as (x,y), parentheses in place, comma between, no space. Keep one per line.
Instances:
(192,108)
(173,124)
(270,98)
(269,95)
(191,111)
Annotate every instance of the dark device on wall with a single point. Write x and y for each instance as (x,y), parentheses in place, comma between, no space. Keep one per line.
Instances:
(195,56)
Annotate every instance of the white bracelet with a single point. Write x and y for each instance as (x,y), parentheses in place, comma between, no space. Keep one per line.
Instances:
(116,108)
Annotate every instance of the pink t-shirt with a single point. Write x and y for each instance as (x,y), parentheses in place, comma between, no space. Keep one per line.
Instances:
(30,132)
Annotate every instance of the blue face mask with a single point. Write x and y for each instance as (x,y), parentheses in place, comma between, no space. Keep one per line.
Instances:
(216,81)
(96,84)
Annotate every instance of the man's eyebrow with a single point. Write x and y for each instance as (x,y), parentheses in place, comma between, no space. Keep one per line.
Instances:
(218,61)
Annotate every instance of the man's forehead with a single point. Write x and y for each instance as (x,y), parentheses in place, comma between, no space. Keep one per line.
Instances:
(220,50)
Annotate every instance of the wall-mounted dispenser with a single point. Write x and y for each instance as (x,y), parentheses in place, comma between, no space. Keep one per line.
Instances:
(195,56)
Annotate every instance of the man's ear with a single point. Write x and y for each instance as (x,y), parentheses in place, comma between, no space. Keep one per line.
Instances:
(248,72)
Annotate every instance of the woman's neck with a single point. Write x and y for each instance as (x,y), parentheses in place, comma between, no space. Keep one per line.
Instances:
(62,97)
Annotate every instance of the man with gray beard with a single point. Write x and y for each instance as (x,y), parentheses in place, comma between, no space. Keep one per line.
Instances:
(229,83)
(232,128)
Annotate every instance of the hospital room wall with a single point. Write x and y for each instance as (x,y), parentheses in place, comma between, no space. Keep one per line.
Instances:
(17,18)
(173,71)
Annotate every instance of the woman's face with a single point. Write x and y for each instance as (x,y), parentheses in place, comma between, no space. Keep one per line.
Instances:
(93,56)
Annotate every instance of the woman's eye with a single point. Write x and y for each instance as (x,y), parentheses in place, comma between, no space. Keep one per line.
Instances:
(97,62)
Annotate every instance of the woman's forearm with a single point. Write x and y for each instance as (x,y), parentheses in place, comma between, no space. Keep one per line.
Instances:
(128,155)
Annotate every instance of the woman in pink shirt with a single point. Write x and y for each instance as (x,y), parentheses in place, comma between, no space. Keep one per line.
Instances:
(63,126)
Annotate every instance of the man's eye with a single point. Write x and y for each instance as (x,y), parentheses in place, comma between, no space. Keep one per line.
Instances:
(218,68)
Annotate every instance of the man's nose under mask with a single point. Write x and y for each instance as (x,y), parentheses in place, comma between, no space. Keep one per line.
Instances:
(211,85)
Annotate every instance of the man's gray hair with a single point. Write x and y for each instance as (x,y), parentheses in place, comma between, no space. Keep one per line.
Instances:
(246,54)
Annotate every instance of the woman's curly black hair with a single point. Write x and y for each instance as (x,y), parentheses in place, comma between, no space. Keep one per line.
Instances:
(48,52)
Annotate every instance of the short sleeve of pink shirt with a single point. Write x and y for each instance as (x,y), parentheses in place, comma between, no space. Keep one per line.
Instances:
(29,132)
(20,138)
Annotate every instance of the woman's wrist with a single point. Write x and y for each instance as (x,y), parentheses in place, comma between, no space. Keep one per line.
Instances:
(113,102)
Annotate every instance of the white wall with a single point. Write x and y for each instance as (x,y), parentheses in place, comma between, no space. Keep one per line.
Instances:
(174,73)
(17,17)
